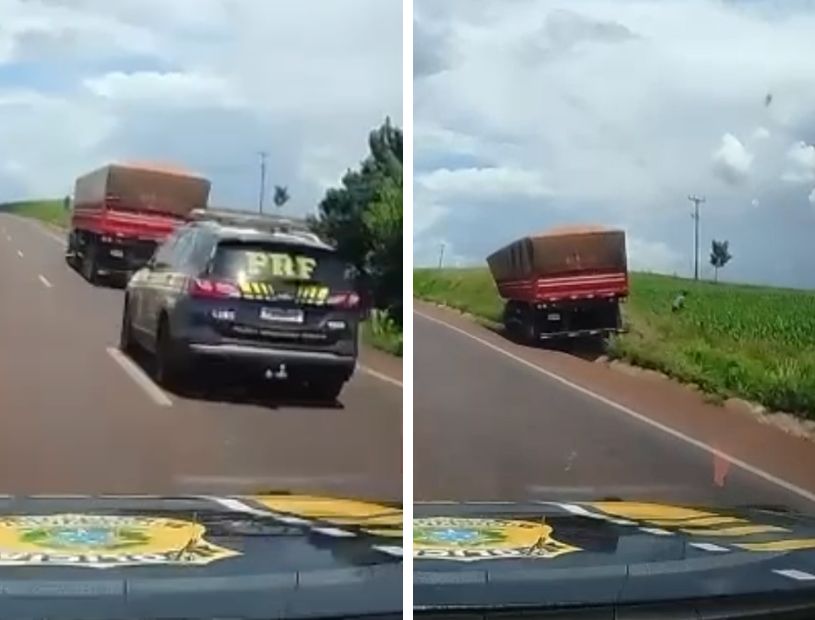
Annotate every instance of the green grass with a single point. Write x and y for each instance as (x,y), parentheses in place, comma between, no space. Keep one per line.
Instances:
(383,333)
(49,211)
(731,340)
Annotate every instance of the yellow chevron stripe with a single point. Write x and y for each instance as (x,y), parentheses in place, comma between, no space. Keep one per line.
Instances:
(792,544)
(738,530)
(246,289)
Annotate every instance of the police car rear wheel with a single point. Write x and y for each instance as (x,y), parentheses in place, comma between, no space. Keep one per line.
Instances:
(126,342)
(327,389)
(169,365)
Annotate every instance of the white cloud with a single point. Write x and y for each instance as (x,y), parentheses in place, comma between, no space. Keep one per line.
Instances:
(482,183)
(53,139)
(812,197)
(655,256)
(618,117)
(755,203)
(732,161)
(801,157)
(207,83)
(761,133)
(165,89)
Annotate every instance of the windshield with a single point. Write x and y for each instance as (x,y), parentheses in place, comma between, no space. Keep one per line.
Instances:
(169,371)
(614,323)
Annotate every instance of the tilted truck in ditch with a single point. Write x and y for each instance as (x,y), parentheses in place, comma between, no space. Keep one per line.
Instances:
(565,283)
(121,212)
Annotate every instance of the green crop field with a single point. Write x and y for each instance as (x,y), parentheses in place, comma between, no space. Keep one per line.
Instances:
(731,340)
(49,211)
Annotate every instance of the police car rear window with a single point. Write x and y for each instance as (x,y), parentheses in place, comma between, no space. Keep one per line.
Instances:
(268,262)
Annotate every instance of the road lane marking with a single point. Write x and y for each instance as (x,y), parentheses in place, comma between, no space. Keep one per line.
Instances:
(45,282)
(709,547)
(140,378)
(792,573)
(380,376)
(19,253)
(237,505)
(53,236)
(784,484)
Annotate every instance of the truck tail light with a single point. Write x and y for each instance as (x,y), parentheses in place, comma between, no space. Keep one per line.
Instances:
(212,289)
(343,300)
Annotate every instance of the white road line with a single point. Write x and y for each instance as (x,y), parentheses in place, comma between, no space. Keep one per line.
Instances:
(792,573)
(237,506)
(630,412)
(380,376)
(656,531)
(140,378)
(708,547)
(19,253)
(45,282)
(334,531)
(48,233)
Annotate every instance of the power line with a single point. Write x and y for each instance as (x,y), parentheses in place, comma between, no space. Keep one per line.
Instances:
(696,200)
(263,155)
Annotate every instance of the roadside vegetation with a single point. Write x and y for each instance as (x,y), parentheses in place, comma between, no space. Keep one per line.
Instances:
(752,342)
(382,332)
(363,218)
(49,211)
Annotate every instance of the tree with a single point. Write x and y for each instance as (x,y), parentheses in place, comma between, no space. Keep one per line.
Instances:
(383,226)
(719,256)
(360,217)
(281,195)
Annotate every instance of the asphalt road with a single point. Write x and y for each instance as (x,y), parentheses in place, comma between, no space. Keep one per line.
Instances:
(488,427)
(77,417)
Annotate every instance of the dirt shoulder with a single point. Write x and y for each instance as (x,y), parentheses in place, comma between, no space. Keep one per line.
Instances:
(381,362)
(729,429)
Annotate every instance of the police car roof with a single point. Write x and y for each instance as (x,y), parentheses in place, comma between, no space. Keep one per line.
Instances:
(247,234)
(246,227)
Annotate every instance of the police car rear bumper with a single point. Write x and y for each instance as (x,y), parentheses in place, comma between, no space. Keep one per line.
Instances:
(273,356)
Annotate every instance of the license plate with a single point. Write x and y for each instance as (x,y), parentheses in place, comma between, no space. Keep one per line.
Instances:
(117,253)
(553,316)
(281,315)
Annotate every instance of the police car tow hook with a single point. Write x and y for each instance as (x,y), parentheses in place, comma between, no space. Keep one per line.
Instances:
(279,373)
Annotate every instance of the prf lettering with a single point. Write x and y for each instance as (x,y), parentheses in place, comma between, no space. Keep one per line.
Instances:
(260,264)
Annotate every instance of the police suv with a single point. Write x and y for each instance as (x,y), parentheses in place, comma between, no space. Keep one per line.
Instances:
(264,293)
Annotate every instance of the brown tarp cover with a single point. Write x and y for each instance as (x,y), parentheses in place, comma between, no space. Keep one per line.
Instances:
(560,251)
(143,187)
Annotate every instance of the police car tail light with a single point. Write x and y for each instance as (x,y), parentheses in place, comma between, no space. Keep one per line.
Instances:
(213,289)
(343,300)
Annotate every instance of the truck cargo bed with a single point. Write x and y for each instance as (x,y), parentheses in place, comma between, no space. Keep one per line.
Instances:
(585,286)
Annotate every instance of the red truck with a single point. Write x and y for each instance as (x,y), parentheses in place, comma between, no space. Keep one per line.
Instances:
(121,212)
(565,283)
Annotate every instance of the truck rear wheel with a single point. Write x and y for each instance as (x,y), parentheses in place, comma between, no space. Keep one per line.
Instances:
(89,267)
(530,330)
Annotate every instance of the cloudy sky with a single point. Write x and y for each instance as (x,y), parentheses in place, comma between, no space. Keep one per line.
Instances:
(530,113)
(206,83)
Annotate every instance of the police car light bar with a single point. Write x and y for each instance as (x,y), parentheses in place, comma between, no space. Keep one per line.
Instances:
(266,223)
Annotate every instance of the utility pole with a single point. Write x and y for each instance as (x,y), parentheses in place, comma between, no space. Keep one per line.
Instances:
(441,255)
(696,200)
(263,155)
